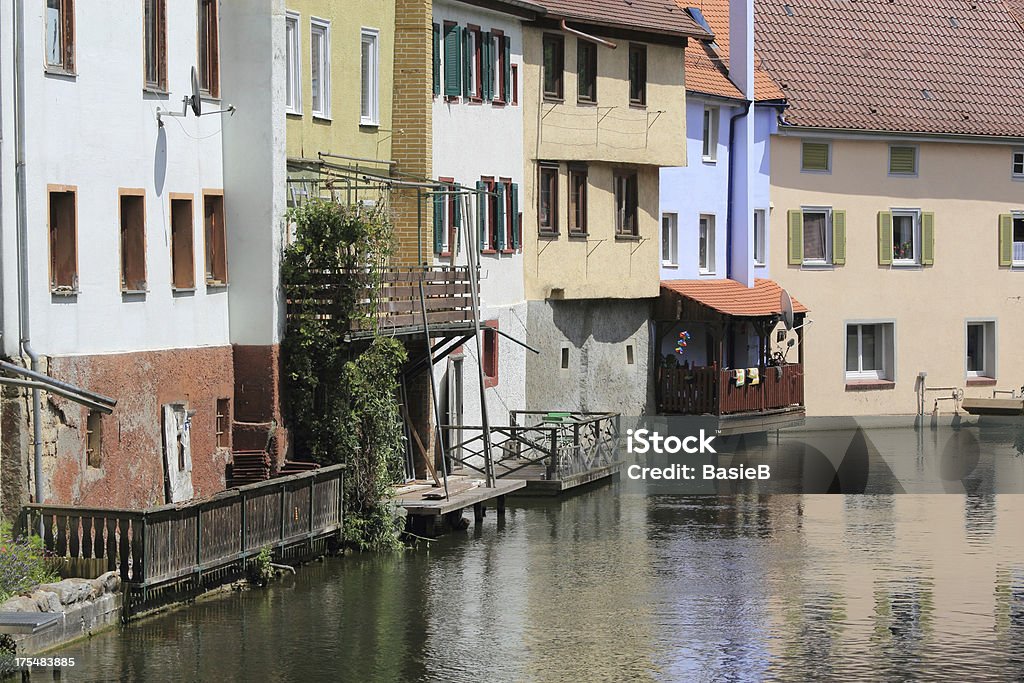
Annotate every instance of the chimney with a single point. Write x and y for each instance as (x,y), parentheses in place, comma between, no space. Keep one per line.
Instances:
(741,45)
(741,153)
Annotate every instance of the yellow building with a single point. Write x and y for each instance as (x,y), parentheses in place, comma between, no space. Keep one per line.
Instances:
(899,202)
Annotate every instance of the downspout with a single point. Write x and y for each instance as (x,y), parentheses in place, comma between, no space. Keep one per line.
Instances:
(729,184)
(22,208)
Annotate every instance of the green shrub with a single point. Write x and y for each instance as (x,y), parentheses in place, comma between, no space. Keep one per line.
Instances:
(23,562)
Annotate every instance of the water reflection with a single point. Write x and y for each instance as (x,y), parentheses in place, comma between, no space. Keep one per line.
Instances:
(610,585)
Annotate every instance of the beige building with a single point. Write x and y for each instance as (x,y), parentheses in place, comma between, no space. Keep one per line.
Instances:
(898,205)
(603,110)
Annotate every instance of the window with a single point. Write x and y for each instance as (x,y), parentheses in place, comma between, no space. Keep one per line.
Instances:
(869,351)
(760,238)
(452,64)
(637,74)
(1018,164)
(133,241)
(906,237)
(368,113)
(554,65)
(1018,239)
(63,239)
(630,360)
(669,239)
(502,54)
(626,202)
(515,83)
(981,349)
(706,245)
(490,352)
(293,65)
(547,199)
(710,150)
(817,229)
(577,200)
(902,160)
(94,439)
(320,66)
(816,157)
(216,239)
(447,211)
(586,71)
(60,35)
(223,423)
(436,70)
(156,44)
(182,258)
(209,49)
(564,364)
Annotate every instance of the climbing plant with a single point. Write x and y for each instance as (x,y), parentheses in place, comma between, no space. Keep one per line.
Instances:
(342,404)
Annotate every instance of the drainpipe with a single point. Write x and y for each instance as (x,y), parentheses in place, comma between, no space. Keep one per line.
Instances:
(728,184)
(21,201)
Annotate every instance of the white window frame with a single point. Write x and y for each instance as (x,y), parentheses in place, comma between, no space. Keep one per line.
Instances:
(761,238)
(293,67)
(1017,262)
(709,267)
(372,118)
(322,27)
(827,210)
(709,138)
(915,216)
(1017,157)
(989,341)
(670,239)
(475,35)
(883,339)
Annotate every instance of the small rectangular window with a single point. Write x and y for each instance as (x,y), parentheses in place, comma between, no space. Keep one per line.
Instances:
(869,351)
(515,84)
(902,160)
(501,67)
(760,238)
(629,354)
(133,241)
(981,349)
(156,44)
(637,74)
(475,61)
(565,358)
(906,237)
(817,229)
(547,199)
(586,71)
(490,352)
(94,439)
(63,240)
(369,65)
(293,64)
(816,157)
(216,240)
(320,66)
(1018,239)
(626,204)
(209,48)
(710,140)
(669,239)
(706,245)
(1018,164)
(223,423)
(60,35)
(577,200)
(183,274)
(554,65)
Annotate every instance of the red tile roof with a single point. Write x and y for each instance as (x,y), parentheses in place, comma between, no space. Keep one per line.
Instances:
(1016,8)
(716,12)
(928,66)
(654,16)
(733,298)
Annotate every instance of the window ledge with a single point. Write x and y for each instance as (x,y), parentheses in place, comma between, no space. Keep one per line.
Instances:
(665,264)
(135,292)
(155,90)
(488,252)
(706,273)
(369,124)
(65,292)
(911,265)
(183,290)
(293,112)
(323,117)
(637,105)
(60,73)
(554,100)
(981,381)
(216,284)
(711,161)
(508,251)
(587,103)
(581,236)
(627,238)
(760,264)
(547,235)
(869,384)
(207,97)
(817,266)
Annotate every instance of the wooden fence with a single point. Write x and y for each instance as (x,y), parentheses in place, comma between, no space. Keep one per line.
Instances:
(710,391)
(165,544)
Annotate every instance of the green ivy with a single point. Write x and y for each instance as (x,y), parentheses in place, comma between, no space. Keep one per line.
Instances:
(342,405)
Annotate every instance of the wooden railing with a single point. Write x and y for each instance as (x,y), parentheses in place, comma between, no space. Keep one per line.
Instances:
(710,391)
(162,544)
(575,443)
(395,306)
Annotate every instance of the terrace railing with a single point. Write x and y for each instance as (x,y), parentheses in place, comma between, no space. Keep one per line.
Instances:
(710,391)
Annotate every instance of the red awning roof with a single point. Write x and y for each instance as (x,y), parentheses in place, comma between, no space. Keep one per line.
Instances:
(732,298)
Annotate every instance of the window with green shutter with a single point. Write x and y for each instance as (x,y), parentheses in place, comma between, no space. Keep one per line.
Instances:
(816,157)
(499,217)
(838,238)
(482,202)
(437,59)
(902,160)
(506,70)
(795,222)
(517,239)
(439,220)
(452,60)
(927,239)
(1011,239)
(884,238)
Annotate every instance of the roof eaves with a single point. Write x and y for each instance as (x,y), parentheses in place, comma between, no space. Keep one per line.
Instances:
(519,8)
(910,136)
(650,30)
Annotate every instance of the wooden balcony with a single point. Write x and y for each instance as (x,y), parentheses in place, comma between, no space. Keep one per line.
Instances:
(407,302)
(710,391)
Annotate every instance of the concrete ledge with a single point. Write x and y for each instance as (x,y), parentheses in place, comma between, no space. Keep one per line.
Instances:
(80,620)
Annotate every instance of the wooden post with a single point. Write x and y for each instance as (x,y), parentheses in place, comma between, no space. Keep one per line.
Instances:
(478,512)
(501,507)
(553,455)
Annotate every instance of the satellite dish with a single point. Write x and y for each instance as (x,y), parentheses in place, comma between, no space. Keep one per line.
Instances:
(195,102)
(786,305)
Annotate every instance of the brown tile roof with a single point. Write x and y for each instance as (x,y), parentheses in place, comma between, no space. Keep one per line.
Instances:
(716,12)
(705,73)
(733,298)
(654,16)
(928,66)
(1016,8)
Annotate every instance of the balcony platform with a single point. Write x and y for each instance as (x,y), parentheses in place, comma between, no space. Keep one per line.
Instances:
(537,483)
(428,511)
